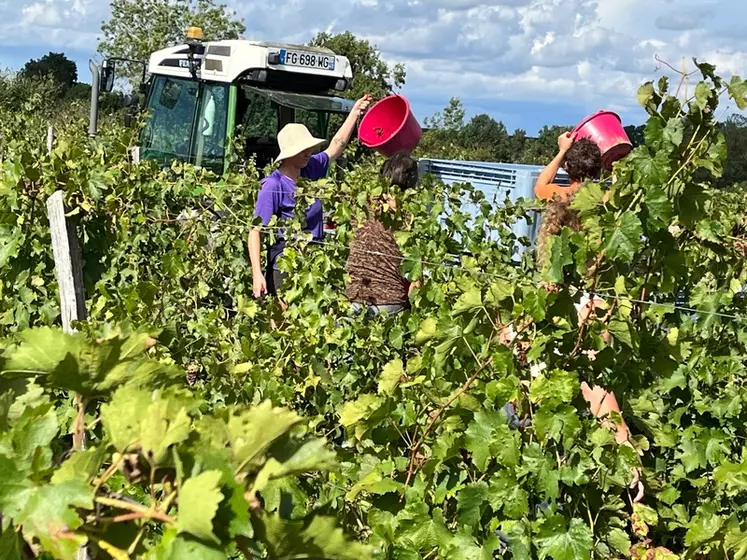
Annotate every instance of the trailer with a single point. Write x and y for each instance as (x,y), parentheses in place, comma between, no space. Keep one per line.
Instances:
(497,181)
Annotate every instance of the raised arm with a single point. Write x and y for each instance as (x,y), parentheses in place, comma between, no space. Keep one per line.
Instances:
(544,187)
(342,138)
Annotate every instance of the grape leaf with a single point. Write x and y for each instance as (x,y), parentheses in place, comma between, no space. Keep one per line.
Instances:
(69,361)
(160,430)
(309,456)
(488,436)
(373,483)
(659,207)
(730,475)
(625,238)
(390,377)
(422,530)
(181,547)
(121,416)
(315,536)
(735,540)
(535,302)
(559,541)
(674,131)
(49,516)
(15,487)
(498,291)
(198,503)
(32,435)
(505,493)
(428,330)
(619,540)
(653,132)
(703,526)
(468,301)
(589,198)
(738,92)
(561,424)
(359,409)
(42,350)
(647,96)
(470,502)
(464,547)
(81,463)
(560,256)
(11,544)
(554,388)
(702,93)
(253,431)
(519,539)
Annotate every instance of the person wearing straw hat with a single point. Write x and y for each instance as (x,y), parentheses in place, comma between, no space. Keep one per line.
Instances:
(277,196)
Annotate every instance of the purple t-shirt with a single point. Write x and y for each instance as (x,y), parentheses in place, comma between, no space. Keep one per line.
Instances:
(277,197)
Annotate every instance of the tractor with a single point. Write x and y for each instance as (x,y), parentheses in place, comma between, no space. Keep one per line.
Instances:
(207,100)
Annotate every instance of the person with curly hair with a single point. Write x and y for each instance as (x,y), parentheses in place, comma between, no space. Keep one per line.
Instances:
(582,161)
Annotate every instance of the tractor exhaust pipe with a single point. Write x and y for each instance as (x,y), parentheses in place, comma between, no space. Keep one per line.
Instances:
(93,122)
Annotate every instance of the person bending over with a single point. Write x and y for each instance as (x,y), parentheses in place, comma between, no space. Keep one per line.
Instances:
(376,283)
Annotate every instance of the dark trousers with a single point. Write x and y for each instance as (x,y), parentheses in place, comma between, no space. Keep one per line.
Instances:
(274,279)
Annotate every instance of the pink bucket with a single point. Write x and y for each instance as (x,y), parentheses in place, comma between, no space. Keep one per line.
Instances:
(390,127)
(605,129)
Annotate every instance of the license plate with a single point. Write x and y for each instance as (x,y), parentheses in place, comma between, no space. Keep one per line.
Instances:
(307,60)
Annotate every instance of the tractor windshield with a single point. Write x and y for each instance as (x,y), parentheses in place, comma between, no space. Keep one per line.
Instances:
(187,122)
(198,122)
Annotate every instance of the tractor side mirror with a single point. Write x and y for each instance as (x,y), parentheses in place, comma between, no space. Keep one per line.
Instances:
(107,76)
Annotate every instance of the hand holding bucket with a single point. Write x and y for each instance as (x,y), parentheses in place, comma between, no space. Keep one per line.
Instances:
(390,127)
(605,129)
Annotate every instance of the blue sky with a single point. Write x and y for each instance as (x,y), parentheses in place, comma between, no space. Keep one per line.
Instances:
(525,62)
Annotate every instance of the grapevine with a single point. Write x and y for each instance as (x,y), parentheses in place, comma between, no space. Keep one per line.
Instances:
(430,434)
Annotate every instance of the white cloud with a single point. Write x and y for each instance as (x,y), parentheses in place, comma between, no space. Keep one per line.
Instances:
(41,14)
(585,54)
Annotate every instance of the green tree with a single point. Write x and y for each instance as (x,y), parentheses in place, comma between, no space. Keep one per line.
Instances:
(483,138)
(517,144)
(442,137)
(62,70)
(137,28)
(541,150)
(371,72)
(487,137)
(452,118)
(635,134)
(734,130)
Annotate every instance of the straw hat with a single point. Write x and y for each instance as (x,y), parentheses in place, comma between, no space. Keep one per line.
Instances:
(293,139)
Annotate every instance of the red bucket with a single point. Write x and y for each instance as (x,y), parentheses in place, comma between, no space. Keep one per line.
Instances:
(390,127)
(605,129)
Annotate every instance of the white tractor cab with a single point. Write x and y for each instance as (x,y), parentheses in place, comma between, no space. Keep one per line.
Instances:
(203,96)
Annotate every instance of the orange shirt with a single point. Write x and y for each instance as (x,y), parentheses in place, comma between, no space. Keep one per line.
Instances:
(546,192)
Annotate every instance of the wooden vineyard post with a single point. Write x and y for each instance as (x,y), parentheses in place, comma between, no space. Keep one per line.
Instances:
(68,265)
(50,139)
